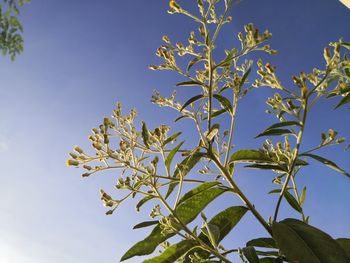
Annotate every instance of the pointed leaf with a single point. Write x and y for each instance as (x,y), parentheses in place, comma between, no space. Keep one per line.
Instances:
(303,196)
(301,242)
(249,156)
(145,134)
(145,224)
(293,202)
(181,117)
(143,201)
(193,62)
(191,100)
(244,78)
(267,167)
(189,83)
(171,155)
(250,254)
(265,242)
(172,253)
(344,101)
(346,45)
(274,132)
(326,162)
(225,103)
(283,124)
(171,138)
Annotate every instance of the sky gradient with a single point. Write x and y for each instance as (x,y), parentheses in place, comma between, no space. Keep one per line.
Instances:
(80,58)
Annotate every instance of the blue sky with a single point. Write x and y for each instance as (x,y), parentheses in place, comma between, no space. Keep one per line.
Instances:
(80,58)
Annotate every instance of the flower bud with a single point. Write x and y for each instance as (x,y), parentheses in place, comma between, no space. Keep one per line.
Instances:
(71,162)
(78,149)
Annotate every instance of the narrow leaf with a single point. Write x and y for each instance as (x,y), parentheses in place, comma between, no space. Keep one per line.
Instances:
(172,253)
(301,242)
(145,224)
(274,132)
(225,103)
(303,196)
(171,155)
(244,78)
(283,124)
(191,100)
(267,167)
(143,201)
(193,62)
(293,202)
(181,117)
(346,45)
(145,134)
(189,83)
(327,162)
(344,101)
(171,138)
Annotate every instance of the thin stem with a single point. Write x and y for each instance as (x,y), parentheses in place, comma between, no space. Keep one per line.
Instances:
(240,194)
(295,157)
(232,128)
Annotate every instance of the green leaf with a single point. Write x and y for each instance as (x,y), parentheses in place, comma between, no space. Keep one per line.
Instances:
(250,156)
(345,244)
(344,101)
(187,211)
(250,254)
(326,162)
(293,202)
(226,220)
(267,167)
(145,134)
(244,78)
(172,253)
(143,201)
(265,242)
(301,242)
(225,103)
(191,100)
(171,155)
(346,45)
(283,124)
(171,138)
(189,83)
(215,114)
(146,224)
(303,196)
(181,117)
(184,168)
(203,187)
(193,62)
(274,132)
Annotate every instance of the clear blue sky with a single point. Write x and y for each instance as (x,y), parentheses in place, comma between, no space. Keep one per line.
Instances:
(80,58)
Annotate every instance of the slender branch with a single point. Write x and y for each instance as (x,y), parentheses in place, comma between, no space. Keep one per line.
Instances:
(238,192)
